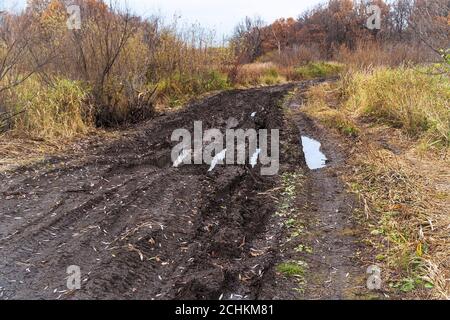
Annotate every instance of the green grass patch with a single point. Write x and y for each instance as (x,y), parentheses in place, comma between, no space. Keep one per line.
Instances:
(290,269)
(271,76)
(318,70)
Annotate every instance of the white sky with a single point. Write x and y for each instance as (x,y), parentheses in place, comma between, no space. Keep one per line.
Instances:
(221,15)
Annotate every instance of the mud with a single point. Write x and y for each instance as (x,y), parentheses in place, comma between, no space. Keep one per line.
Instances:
(140,229)
(326,238)
(332,230)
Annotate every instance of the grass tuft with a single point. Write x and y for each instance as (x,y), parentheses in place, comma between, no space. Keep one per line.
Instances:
(291,269)
(417,103)
(321,105)
(57,111)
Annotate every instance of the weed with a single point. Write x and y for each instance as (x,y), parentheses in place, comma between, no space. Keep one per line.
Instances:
(302,248)
(407,285)
(292,269)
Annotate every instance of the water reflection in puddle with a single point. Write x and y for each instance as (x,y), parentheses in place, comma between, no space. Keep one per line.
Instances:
(315,159)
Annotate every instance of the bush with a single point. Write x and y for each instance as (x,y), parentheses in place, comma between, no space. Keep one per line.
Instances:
(124,103)
(318,70)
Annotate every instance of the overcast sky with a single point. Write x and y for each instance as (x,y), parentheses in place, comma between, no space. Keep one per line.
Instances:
(221,15)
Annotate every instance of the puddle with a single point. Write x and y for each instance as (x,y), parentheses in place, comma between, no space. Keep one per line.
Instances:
(315,159)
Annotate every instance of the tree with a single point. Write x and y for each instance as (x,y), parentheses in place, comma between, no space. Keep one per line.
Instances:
(280,34)
(18,58)
(248,39)
(429,21)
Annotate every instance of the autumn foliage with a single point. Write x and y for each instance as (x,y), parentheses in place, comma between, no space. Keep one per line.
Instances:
(341,24)
(124,66)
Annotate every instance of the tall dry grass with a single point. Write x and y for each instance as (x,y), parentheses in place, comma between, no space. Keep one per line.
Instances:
(51,112)
(259,73)
(416,102)
(368,54)
(404,191)
(294,56)
(323,103)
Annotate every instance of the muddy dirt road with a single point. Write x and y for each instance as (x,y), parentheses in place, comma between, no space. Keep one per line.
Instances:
(140,229)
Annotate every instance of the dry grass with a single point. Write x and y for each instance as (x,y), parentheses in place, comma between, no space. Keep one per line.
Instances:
(50,112)
(16,151)
(322,103)
(403,185)
(270,73)
(372,54)
(417,103)
(259,73)
(407,216)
